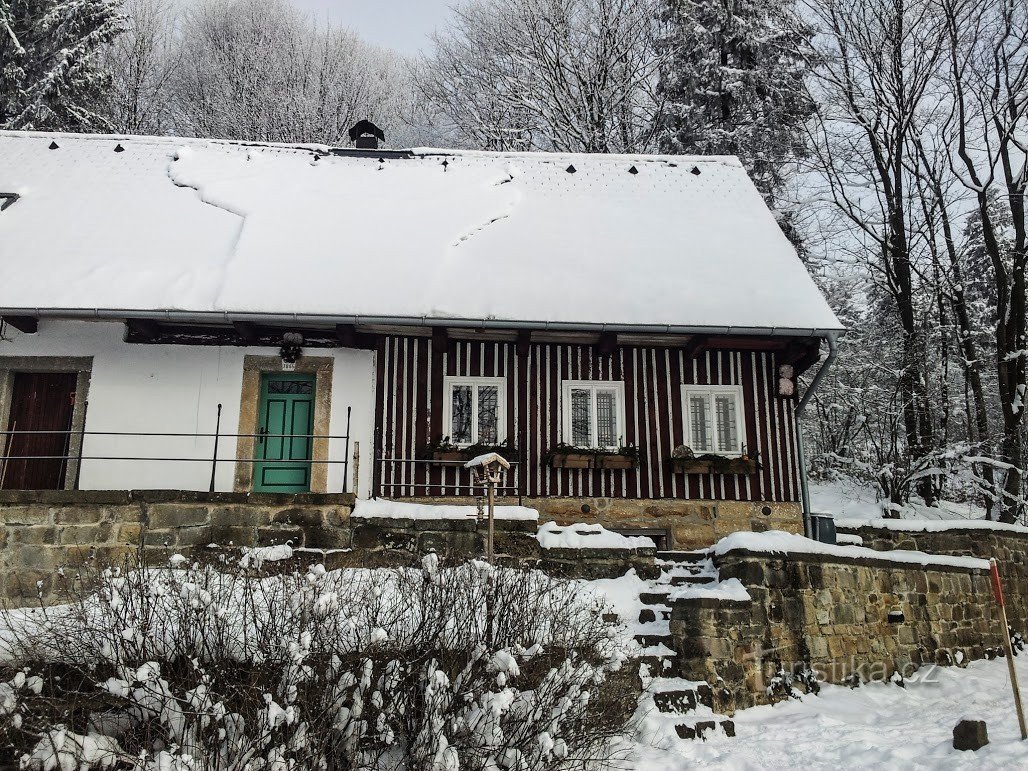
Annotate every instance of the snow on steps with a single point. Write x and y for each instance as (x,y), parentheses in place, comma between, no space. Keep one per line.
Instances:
(673,703)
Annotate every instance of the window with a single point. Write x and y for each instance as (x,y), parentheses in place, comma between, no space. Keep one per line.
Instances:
(475,410)
(713,422)
(594,413)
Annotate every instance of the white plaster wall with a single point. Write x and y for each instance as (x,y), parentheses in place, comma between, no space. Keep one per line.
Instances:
(176,389)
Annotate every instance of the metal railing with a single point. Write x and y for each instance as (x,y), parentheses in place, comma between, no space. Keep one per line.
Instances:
(78,457)
(408,484)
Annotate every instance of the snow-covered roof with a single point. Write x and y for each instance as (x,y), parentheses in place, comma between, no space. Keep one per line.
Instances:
(109,223)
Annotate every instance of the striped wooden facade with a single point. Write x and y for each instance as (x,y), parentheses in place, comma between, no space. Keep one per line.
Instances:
(409,415)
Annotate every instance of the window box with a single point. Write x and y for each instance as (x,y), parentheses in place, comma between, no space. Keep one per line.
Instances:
(615,461)
(735,466)
(572,460)
(563,456)
(449,455)
(714,465)
(691,465)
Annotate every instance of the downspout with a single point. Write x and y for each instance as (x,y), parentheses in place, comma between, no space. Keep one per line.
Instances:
(808,394)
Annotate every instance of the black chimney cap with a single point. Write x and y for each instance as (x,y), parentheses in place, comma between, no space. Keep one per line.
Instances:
(363,127)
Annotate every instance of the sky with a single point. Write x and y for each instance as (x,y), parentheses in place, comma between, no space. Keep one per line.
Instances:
(403,25)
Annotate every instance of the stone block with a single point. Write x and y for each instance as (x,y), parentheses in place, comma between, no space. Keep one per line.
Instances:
(228,535)
(80,515)
(160,538)
(84,535)
(302,516)
(460,545)
(327,538)
(38,535)
(274,536)
(24,515)
(239,516)
(970,735)
(129,532)
(170,515)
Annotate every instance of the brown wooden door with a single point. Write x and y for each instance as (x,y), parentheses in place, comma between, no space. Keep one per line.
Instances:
(44,402)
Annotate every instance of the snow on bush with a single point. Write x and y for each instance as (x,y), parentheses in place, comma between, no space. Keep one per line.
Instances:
(217,668)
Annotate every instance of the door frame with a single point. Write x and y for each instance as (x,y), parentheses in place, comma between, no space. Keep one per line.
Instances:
(81,366)
(254,367)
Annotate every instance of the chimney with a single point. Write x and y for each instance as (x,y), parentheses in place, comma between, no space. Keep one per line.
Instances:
(365,135)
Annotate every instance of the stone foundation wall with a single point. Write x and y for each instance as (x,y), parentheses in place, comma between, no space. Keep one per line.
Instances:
(691,524)
(833,615)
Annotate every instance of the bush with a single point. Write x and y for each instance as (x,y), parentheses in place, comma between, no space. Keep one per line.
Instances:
(226,667)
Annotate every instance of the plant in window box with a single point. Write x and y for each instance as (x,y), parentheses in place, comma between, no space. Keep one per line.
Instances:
(443,449)
(685,460)
(569,456)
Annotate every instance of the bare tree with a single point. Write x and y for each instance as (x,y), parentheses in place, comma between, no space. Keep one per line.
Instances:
(142,62)
(987,79)
(875,63)
(564,75)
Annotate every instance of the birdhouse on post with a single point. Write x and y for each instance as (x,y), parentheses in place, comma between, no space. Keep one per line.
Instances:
(365,135)
(488,471)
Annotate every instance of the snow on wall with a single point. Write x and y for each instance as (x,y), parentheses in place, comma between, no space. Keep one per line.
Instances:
(778,542)
(204,226)
(930,525)
(169,388)
(383,508)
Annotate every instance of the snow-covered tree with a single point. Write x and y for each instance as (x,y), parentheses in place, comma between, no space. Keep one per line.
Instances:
(732,81)
(142,63)
(261,70)
(51,72)
(564,75)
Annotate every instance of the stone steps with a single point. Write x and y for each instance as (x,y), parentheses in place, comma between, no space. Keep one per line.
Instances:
(648,639)
(683,556)
(654,598)
(654,613)
(700,729)
(685,580)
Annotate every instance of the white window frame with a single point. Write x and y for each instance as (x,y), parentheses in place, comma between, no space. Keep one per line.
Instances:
(710,391)
(618,386)
(450,382)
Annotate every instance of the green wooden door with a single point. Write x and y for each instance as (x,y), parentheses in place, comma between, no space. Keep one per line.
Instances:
(285,423)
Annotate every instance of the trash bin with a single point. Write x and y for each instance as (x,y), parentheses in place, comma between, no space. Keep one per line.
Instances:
(822,528)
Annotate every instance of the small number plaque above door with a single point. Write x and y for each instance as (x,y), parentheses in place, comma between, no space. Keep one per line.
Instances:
(302,387)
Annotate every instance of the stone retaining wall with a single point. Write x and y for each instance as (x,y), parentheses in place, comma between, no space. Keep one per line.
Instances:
(47,530)
(1009,547)
(833,615)
(44,531)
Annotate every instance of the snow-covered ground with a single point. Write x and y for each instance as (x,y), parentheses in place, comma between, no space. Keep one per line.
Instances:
(879,725)
(849,499)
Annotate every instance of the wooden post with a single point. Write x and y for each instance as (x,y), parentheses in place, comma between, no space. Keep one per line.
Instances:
(997,589)
(491,503)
